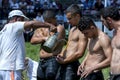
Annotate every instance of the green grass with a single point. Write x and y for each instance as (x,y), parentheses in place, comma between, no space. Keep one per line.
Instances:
(32,51)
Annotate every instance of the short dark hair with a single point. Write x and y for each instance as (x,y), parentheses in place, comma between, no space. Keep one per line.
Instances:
(74,9)
(48,14)
(111,11)
(85,23)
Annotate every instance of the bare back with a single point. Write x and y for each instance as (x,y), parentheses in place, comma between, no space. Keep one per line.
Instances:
(115,63)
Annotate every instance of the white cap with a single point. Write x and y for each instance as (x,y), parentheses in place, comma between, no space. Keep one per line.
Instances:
(17,13)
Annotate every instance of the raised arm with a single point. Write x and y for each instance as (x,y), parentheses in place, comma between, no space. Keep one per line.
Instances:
(38,24)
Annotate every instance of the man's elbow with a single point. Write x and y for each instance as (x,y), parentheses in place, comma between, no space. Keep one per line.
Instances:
(80,55)
(32,41)
(108,61)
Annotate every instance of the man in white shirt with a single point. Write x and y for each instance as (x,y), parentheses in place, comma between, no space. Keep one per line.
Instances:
(12,44)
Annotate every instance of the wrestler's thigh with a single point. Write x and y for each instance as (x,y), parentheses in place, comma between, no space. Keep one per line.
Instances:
(71,74)
(52,66)
(40,72)
(115,77)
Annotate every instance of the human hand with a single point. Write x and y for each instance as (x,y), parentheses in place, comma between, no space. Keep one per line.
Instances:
(86,72)
(80,69)
(45,38)
(52,28)
(60,59)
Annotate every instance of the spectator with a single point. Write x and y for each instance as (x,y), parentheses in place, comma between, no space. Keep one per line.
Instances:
(60,6)
(98,5)
(37,6)
(0,4)
(96,8)
(30,10)
(30,7)
(23,5)
(5,8)
(14,4)
(45,5)
(59,17)
(87,7)
(53,5)
(115,3)
(39,17)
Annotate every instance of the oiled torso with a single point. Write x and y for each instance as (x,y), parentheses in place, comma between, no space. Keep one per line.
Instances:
(115,63)
(96,52)
(74,38)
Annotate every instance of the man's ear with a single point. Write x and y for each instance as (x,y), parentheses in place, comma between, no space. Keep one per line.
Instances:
(109,20)
(92,27)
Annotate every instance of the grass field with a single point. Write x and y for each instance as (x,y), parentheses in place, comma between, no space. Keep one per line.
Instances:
(33,52)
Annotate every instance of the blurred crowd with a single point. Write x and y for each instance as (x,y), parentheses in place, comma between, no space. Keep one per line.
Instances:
(29,7)
(32,7)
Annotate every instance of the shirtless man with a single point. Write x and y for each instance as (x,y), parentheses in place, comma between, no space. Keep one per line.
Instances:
(99,51)
(75,48)
(110,17)
(48,66)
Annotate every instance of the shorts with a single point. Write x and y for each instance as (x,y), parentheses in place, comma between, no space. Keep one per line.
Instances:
(114,76)
(47,69)
(94,76)
(68,71)
(8,75)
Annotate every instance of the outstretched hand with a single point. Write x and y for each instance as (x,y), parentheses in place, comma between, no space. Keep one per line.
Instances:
(53,28)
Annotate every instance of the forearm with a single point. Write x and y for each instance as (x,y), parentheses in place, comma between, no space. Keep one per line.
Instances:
(38,40)
(73,57)
(102,64)
(36,24)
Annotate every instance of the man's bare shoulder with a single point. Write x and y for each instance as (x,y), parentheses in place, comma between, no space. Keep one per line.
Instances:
(104,36)
(104,39)
(82,35)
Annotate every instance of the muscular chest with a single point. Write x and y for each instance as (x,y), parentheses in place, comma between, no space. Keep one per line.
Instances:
(94,46)
(116,42)
(45,32)
(74,35)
